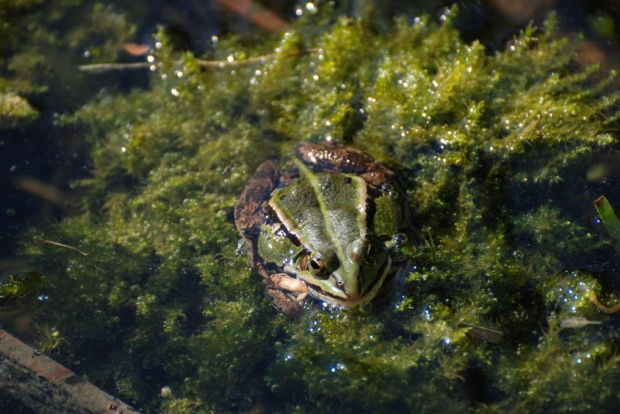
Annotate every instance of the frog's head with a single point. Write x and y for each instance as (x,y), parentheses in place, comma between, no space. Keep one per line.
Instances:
(347,278)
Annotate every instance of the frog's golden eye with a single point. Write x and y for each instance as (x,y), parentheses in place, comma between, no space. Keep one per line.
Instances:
(317,266)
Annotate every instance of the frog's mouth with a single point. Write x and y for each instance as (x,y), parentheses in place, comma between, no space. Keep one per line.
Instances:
(349,301)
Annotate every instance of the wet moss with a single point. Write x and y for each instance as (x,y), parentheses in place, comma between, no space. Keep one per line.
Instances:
(160,298)
(15,110)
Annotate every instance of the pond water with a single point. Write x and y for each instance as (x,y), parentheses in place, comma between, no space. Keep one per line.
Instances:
(128,132)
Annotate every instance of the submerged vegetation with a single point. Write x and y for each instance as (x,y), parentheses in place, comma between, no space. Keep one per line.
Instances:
(494,148)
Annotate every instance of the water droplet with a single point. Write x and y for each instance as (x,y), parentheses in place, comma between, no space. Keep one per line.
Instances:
(400,238)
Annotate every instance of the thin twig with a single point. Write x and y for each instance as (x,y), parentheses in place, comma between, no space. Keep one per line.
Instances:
(45,191)
(217,64)
(110,67)
(603,308)
(65,245)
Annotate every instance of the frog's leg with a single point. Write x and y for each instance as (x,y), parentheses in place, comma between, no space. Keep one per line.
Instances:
(291,284)
(248,212)
(249,216)
(330,156)
(279,295)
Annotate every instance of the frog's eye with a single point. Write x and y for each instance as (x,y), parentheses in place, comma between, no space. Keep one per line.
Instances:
(317,266)
(369,250)
(362,251)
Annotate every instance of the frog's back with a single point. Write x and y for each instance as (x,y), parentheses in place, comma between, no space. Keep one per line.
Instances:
(323,209)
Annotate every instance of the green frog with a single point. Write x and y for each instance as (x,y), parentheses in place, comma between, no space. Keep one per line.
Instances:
(327,225)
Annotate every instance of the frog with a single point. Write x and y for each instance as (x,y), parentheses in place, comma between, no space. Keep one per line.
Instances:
(330,225)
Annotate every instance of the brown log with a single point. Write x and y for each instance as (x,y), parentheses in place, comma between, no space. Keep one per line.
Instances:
(42,385)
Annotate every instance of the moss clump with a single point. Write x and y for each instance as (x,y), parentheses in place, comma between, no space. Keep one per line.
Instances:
(15,110)
(162,300)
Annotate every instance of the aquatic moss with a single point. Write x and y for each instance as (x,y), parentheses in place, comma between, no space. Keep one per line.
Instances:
(157,297)
(15,110)
(44,41)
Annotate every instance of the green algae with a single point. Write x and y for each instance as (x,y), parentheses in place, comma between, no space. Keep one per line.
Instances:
(161,299)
